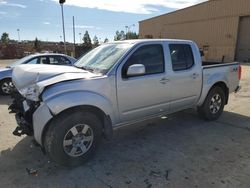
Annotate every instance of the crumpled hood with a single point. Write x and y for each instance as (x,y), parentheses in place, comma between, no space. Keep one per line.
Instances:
(44,75)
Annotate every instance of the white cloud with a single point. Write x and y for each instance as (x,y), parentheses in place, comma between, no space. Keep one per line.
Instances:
(5,3)
(87,27)
(46,23)
(132,6)
(84,26)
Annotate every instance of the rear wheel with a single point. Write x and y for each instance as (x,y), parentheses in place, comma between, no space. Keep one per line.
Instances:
(6,86)
(213,105)
(72,138)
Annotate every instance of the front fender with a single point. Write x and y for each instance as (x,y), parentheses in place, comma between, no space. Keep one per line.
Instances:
(5,74)
(61,102)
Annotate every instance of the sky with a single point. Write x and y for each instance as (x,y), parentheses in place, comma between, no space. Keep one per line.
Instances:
(42,18)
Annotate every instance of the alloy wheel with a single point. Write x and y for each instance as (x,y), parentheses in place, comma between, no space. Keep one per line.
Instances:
(6,87)
(215,104)
(78,140)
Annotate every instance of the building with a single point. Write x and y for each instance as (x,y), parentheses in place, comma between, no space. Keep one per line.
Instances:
(221,28)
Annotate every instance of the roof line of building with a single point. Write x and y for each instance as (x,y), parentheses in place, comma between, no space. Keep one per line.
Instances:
(176,11)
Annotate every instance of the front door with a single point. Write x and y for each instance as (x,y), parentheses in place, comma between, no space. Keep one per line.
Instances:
(145,95)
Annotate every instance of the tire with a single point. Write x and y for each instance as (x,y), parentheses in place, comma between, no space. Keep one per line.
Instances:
(6,86)
(213,105)
(63,147)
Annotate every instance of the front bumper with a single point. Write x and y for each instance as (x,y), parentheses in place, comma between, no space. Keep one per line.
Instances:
(23,110)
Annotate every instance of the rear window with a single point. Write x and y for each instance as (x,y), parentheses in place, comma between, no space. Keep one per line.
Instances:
(181,56)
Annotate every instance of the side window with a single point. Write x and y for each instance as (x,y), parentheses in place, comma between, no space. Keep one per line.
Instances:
(53,61)
(151,56)
(64,61)
(32,61)
(43,60)
(58,60)
(182,56)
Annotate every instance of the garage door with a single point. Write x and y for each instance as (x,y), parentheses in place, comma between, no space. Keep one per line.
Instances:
(243,45)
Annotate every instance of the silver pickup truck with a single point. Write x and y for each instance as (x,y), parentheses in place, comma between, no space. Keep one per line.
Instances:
(69,109)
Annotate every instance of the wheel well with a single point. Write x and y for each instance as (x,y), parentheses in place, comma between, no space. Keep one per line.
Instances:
(7,78)
(224,88)
(105,119)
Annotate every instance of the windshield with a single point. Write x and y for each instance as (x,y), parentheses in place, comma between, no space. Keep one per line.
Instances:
(102,58)
(20,61)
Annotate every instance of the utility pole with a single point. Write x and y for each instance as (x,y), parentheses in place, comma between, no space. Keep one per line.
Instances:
(126,27)
(80,34)
(61,3)
(74,36)
(18,32)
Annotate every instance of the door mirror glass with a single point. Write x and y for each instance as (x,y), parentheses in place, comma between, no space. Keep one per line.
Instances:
(136,70)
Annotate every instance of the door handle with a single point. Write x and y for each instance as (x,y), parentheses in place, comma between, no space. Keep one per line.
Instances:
(164,80)
(195,75)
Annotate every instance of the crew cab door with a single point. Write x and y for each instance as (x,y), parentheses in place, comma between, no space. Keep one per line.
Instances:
(185,76)
(144,95)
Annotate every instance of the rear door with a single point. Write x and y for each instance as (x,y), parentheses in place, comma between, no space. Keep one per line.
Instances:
(146,95)
(186,76)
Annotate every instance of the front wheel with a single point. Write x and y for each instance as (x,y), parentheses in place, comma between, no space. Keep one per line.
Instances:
(72,138)
(6,86)
(213,105)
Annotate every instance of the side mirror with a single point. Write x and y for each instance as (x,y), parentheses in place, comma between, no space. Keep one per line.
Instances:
(136,70)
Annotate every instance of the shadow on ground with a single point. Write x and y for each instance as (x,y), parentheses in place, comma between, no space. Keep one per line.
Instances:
(5,100)
(182,151)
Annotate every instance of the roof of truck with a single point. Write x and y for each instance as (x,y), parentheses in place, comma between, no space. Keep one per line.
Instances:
(151,40)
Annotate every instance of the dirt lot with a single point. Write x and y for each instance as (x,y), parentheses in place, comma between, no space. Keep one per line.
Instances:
(181,151)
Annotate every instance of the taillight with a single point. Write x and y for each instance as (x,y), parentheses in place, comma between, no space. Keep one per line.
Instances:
(239,72)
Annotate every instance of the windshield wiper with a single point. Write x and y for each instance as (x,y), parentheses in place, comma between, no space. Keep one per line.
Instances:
(87,69)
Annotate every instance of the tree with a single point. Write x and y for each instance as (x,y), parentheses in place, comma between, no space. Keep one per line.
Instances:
(37,44)
(95,41)
(119,35)
(106,40)
(5,38)
(132,35)
(87,39)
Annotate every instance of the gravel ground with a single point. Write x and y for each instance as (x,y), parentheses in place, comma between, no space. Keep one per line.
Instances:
(180,151)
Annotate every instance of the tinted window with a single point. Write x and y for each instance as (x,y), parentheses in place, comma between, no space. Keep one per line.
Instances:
(151,56)
(182,56)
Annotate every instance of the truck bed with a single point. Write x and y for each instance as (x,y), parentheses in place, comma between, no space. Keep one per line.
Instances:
(208,64)
(225,72)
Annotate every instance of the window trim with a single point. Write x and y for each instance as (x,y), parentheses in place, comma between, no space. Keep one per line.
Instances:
(135,50)
(187,68)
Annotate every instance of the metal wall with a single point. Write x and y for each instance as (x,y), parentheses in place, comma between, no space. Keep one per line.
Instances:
(213,25)
(243,46)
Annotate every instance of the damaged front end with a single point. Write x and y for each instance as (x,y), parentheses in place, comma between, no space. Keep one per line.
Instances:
(23,110)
